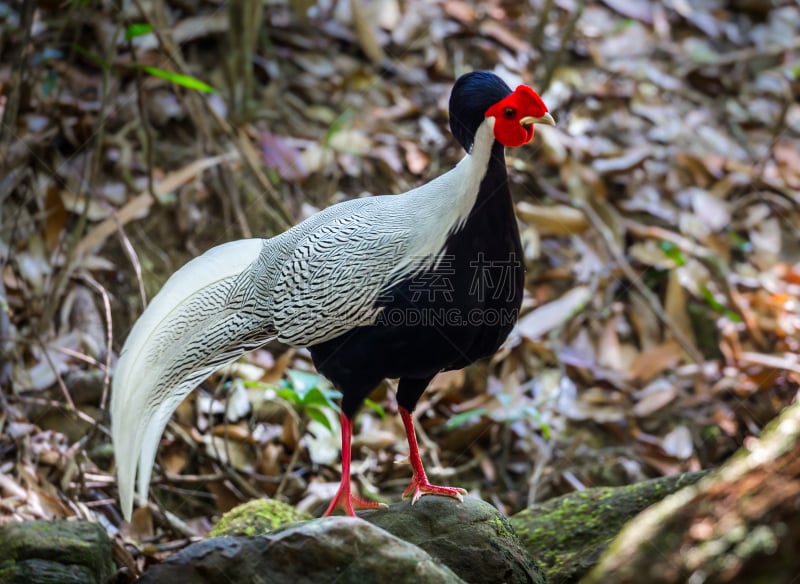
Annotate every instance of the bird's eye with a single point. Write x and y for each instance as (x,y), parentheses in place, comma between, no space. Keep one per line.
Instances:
(509,113)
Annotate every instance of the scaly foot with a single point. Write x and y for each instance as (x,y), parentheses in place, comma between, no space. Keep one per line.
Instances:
(344,497)
(421,486)
(348,502)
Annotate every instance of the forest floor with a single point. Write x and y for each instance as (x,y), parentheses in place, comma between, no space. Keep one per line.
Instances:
(660,218)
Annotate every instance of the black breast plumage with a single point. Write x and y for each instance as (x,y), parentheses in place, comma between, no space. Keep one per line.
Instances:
(445,317)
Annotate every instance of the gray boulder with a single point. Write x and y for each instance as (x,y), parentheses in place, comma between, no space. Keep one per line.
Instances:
(336,549)
(472,538)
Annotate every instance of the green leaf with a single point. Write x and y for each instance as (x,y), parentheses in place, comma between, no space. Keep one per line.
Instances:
(338,125)
(303,381)
(251,384)
(464,417)
(717,306)
(710,432)
(317,397)
(319,416)
(545,430)
(739,242)
(732,316)
(672,252)
(290,395)
(376,407)
(137,30)
(178,79)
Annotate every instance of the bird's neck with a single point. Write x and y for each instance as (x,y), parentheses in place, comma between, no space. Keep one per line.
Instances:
(468,178)
(442,207)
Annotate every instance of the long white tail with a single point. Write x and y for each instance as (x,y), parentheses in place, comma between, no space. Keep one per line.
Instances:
(204,317)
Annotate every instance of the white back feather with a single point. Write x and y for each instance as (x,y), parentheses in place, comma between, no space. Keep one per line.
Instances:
(133,434)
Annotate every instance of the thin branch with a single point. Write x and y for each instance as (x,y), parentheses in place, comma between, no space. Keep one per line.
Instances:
(109,335)
(16,85)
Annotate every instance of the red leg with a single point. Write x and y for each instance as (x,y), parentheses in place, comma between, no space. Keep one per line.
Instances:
(344,497)
(419,481)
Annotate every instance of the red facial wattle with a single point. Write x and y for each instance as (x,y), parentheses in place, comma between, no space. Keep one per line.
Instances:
(509,112)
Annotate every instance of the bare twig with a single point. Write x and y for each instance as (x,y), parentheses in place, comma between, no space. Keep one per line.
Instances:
(51,403)
(17,84)
(109,335)
(62,386)
(537,36)
(292,460)
(134,259)
(245,24)
(365,32)
(554,59)
(149,141)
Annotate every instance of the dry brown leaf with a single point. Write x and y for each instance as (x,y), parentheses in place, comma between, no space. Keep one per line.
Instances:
(185,30)
(460,11)
(141,525)
(416,159)
(277,153)
(678,443)
(654,397)
(786,362)
(641,10)
(269,462)
(238,454)
(652,362)
(224,498)
(173,459)
(323,445)
(56,217)
(447,382)
(630,159)
(553,219)
(609,353)
(675,306)
(290,434)
(712,211)
(373,434)
(498,32)
(552,315)
(239,432)
(597,404)
(351,141)
(390,156)
(365,31)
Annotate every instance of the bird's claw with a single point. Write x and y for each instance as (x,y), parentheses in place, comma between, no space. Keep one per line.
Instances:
(423,487)
(349,502)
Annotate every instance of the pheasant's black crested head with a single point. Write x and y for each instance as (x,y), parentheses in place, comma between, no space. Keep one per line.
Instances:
(482,94)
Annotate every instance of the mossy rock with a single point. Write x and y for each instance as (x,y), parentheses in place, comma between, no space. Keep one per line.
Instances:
(471,537)
(43,552)
(568,534)
(345,550)
(257,517)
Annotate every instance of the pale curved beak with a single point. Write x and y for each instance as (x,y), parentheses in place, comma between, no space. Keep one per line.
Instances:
(546,119)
